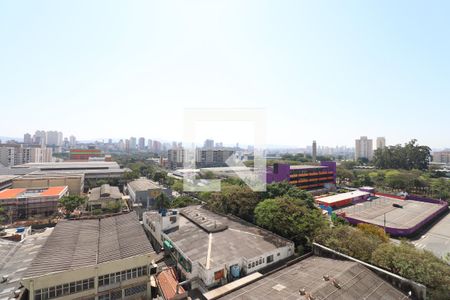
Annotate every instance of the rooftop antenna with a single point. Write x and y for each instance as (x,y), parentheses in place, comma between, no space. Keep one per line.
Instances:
(208,257)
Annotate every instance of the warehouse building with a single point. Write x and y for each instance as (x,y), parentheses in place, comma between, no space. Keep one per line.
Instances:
(344,199)
(108,258)
(21,204)
(75,182)
(211,249)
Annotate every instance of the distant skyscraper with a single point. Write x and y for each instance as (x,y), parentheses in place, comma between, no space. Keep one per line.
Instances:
(381,142)
(54,138)
(27,138)
(110,141)
(72,141)
(141,143)
(208,144)
(314,151)
(40,137)
(149,145)
(364,148)
(132,143)
(127,145)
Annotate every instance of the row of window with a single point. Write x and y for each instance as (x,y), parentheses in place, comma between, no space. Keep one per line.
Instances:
(268,259)
(64,289)
(122,276)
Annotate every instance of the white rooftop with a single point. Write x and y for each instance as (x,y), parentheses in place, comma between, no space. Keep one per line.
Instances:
(343,196)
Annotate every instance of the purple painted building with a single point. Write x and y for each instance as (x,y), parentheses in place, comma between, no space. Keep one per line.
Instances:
(304,176)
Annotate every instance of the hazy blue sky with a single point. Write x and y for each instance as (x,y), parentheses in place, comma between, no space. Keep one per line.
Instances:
(324,70)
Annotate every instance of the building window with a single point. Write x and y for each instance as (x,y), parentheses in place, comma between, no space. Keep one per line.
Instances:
(253,264)
(64,289)
(135,290)
(260,261)
(269,259)
(249,266)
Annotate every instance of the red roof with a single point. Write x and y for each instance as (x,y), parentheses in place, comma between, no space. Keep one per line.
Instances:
(53,191)
(14,193)
(11,193)
(167,282)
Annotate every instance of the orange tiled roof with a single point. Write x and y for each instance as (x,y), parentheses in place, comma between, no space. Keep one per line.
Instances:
(11,193)
(168,284)
(53,191)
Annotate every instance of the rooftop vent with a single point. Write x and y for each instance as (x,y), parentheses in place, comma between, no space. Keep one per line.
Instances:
(326,277)
(335,283)
(302,291)
(4,278)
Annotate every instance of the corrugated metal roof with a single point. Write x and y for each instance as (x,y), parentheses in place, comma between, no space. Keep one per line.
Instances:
(354,280)
(81,243)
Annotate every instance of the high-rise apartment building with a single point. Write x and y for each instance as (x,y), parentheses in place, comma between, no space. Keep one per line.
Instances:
(381,142)
(363,148)
(54,138)
(314,151)
(17,154)
(150,145)
(40,137)
(208,144)
(27,139)
(141,143)
(132,143)
(72,141)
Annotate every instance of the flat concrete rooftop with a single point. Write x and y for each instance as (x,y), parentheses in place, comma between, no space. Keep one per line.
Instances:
(240,239)
(412,213)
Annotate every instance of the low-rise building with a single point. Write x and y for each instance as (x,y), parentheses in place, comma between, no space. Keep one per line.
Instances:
(344,199)
(305,177)
(6,181)
(144,192)
(21,203)
(90,169)
(75,182)
(211,249)
(104,197)
(107,258)
(441,157)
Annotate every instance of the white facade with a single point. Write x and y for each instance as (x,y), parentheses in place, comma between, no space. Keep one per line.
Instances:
(364,148)
(216,273)
(441,157)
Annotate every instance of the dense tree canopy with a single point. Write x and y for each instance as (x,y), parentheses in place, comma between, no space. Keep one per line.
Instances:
(290,218)
(420,266)
(408,157)
(70,203)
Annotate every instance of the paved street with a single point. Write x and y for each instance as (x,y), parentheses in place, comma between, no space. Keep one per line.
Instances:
(437,239)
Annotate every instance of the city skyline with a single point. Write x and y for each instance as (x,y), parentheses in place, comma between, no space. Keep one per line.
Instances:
(332,71)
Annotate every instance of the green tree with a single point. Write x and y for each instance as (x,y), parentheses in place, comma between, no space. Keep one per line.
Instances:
(280,189)
(290,218)
(114,207)
(183,201)
(70,203)
(408,157)
(238,200)
(420,266)
(162,201)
